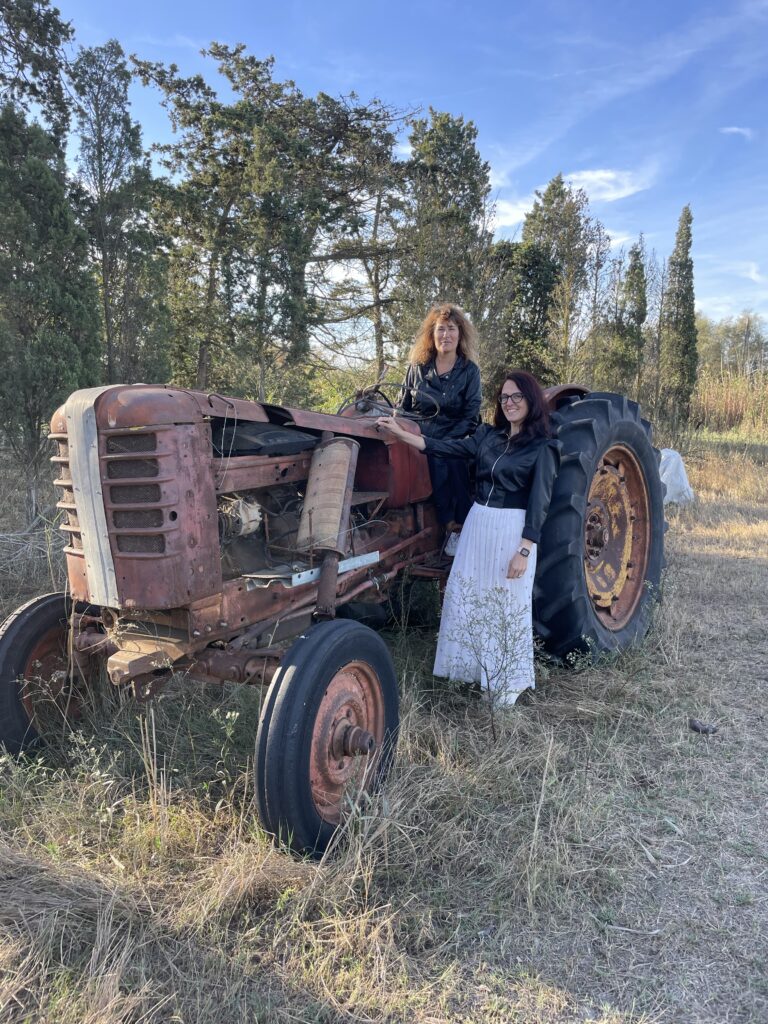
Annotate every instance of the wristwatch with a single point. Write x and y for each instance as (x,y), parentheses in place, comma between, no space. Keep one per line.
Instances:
(524,552)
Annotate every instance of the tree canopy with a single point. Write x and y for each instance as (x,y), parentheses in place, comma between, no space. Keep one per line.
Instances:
(283,244)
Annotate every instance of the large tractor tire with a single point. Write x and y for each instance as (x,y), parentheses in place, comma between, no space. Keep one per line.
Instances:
(602,546)
(328,730)
(39,687)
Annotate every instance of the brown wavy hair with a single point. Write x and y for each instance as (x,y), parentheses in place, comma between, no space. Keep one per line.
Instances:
(424,346)
(536,423)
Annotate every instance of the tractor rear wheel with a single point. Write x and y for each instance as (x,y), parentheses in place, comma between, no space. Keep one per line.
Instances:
(602,546)
(328,731)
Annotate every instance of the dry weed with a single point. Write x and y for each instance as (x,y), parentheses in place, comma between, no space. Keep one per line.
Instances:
(595,862)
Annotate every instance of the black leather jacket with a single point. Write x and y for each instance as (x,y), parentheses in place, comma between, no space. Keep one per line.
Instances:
(508,475)
(457,393)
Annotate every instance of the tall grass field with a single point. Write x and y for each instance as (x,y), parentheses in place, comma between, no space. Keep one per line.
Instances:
(598,861)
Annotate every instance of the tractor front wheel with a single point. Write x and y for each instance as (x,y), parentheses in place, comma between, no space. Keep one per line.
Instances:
(327,732)
(40,687)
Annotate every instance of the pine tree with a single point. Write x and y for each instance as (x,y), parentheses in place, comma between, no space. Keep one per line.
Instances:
(678,352)
(445,235)
(48,305)
(515,330)
(559,223)
(635,312)
(619,340)
(118,196)
(32,61)
(266,186)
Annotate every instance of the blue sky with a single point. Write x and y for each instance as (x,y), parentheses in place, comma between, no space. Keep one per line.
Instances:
(647,106)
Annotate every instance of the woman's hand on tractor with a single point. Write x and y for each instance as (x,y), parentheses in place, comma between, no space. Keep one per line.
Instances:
(391,426)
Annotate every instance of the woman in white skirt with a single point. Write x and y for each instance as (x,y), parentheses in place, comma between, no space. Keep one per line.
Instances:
(486,630)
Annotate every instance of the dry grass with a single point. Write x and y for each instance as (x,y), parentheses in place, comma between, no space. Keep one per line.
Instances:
(600,862)
(730,401)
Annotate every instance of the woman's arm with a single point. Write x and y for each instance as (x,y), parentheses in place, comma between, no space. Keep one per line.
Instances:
(544,473)
(456,448)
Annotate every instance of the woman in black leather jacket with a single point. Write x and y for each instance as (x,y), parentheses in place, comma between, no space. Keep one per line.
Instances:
(444,376)
(486,630)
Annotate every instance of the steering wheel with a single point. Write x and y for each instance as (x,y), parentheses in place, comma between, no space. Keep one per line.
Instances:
(374,401)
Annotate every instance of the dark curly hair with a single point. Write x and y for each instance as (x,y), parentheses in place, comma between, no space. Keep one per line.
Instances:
(536,423)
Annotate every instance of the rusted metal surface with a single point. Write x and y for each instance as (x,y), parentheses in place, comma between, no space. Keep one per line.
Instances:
(555,395)
(138,648)
(160,503)
(89,645)
(324,523)
(242,666)
(616,537)
(159,478)
(395,467)
(365,426)
(238,605)
(144,655)
(346,737)
(246,472)
(46,674)
(128,406)
(327,586)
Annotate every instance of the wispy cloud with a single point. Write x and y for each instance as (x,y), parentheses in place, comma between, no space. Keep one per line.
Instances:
(499,177)
(511,212)
(746,133)
(716,306)
(619,238)
(747,269)
(651,64)
(605,185)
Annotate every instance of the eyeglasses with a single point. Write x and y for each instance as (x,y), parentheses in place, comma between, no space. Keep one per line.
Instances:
(515,398)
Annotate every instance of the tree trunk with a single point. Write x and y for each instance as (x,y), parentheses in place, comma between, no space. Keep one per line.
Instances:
(106,293)
(204,351)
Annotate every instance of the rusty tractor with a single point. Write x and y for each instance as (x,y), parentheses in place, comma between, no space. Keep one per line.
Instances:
(242,542)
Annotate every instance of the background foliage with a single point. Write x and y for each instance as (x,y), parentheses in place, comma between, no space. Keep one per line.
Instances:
(282,247)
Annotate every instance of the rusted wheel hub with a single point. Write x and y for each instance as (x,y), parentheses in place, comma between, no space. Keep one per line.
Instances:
(616,537)
(596,533)
(47,679)
(346,738)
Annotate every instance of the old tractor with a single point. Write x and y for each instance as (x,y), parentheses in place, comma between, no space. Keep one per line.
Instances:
(222,540)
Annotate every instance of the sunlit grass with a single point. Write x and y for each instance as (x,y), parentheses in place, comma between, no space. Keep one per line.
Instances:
(597,862)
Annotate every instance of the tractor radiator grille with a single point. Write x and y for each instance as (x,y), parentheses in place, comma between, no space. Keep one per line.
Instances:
(63,481)
(138,523)
(132,469)
(122,444)
(137,530)
(137,497)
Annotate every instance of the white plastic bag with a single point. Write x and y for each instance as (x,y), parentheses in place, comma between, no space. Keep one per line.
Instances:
(672,472)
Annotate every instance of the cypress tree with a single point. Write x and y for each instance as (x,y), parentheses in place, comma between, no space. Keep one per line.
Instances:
(679,355)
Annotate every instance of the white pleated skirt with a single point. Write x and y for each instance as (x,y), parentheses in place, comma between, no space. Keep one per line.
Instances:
(486,627)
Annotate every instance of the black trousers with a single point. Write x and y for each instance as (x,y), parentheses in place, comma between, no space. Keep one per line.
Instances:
(450,488)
